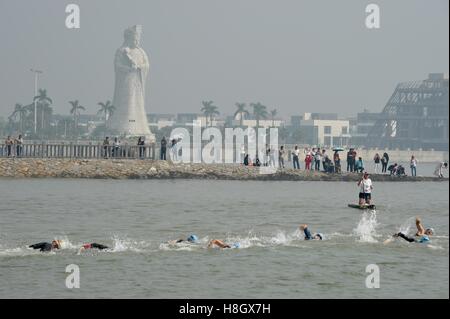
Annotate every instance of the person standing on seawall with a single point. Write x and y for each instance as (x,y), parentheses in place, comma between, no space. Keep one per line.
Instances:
(106,147)
(384,162)
(8,143)
(413,166)
(308,160)
(281,156)
(116,148)
(163,149)
(317,159)
(295,155)
(349,160)
(19,145)
(377,160)
(324,161)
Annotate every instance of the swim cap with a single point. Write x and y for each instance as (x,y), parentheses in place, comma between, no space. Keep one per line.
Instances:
(319,235)
(192,238)
(236,245)
(430,229)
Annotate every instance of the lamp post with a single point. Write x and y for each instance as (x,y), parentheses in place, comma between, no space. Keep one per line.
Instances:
(36,73)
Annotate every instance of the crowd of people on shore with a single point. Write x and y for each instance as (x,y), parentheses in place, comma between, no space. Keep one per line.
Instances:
(316,159)
(13,146)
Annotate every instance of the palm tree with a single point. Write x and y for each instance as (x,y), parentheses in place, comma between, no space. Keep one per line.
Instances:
(43,103)
(209,110)
(260,112)
(20,111)
(75,111)
(107,109)
(242,112)
(273,113)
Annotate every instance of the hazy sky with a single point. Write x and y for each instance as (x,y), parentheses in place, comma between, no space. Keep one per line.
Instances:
(292,55)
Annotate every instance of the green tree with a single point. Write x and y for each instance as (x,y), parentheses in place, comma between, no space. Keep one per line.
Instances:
(76,111)
(108,110)
(21,112)
(44,110)
(242,112)
(209,110)
(273,113)
(259,112)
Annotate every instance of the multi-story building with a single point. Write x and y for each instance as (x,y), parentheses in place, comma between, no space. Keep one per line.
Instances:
(324,132)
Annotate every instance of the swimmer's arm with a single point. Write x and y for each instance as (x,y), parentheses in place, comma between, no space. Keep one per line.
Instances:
(420,229)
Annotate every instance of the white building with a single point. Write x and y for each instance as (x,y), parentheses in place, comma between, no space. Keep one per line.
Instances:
(325,132)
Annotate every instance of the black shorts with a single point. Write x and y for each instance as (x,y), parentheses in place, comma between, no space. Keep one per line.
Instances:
(366,196)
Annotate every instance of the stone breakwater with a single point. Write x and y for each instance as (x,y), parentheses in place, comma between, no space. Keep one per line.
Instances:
(148,169)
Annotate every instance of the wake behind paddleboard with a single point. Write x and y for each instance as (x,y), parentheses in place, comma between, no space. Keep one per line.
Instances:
(371,206)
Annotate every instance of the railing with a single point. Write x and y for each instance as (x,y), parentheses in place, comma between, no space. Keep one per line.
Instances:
(70,150)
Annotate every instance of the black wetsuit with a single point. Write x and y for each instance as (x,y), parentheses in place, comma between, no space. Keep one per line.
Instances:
(409,239)
(422,239)
(95,245)
(42,246)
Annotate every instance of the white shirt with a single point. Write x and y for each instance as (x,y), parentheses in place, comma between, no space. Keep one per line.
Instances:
(296,152)
(366,186)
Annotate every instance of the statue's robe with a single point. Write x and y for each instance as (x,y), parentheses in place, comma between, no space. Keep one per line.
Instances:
(129,116)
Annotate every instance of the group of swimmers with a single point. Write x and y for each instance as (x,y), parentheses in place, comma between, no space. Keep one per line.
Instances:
(191,239)
(422,236)
(57,244)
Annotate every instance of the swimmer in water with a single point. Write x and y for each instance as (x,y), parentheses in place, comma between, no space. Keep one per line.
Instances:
(221,244)
(44,246)
(422,234)
(192,239)
(308,235)
(93,246)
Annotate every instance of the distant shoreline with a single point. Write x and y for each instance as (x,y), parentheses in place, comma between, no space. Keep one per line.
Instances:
(149,169)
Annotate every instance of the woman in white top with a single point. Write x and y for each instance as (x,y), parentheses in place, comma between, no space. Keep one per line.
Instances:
(365,192)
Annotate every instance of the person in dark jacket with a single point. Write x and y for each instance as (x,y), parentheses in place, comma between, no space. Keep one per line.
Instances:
(163,149)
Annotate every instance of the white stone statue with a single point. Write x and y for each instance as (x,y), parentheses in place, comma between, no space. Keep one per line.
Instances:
(131,68)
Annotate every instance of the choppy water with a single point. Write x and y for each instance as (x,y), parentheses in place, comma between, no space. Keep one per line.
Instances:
(137,218)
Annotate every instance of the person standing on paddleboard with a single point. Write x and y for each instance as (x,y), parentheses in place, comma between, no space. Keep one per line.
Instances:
(365,191)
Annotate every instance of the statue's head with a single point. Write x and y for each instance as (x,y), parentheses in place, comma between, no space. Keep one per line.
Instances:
(132,36)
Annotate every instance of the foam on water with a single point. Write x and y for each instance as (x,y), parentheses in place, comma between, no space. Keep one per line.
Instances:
(121,244)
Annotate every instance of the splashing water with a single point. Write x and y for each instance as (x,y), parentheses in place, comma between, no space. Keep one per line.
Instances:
(66,244)
(366,229)
(406,226)
(126,244)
